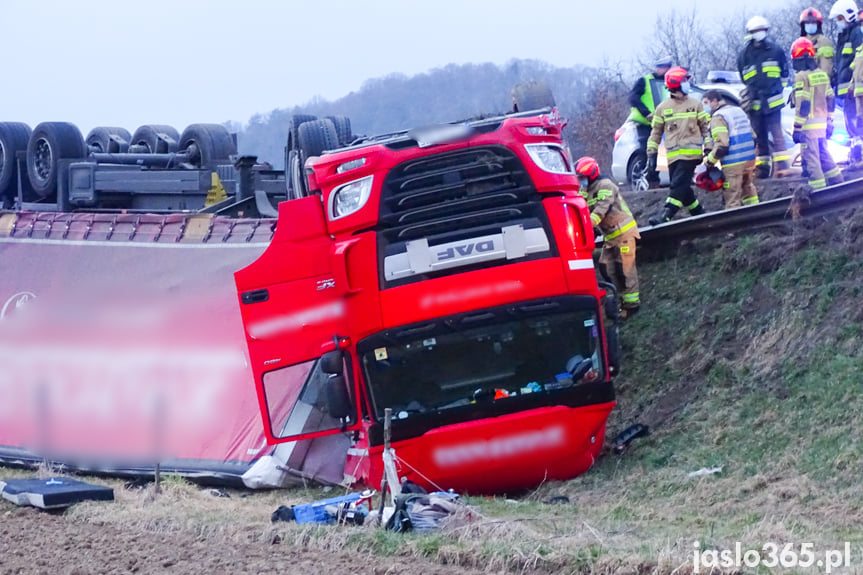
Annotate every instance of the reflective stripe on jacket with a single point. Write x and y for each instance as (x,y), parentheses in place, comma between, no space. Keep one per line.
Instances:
(847,43)
(824,52)
(686,127)
(813,102)
(762,65)
(653,91)
(609,211)
(730,127)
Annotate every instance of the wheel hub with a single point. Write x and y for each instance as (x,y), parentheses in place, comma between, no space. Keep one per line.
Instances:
(43,159)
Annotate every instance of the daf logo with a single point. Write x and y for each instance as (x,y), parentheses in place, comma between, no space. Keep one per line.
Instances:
(466,249)
(16,302)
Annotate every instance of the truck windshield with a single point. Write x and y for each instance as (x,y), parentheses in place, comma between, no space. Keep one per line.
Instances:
(450,365)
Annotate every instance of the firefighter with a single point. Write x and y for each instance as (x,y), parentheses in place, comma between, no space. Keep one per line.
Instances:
(647,92)
(685,125)
(813,121)
(763,66)
(811,27)
(610,214)
(734,146)
(850,37)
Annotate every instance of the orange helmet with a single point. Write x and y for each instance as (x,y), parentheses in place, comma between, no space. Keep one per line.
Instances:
(811,15)
(587,167)
(675,77)
(802,47)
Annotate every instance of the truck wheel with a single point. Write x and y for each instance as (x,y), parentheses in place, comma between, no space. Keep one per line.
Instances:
(13,139)
(294,129)
(49,143)
(108,140)
(343,129)
(315,137)
(213,141)
(156,138)
(531,95)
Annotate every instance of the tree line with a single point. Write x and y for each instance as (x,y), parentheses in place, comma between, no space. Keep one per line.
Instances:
(593,98)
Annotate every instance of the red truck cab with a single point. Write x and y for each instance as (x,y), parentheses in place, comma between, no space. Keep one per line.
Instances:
(445,273)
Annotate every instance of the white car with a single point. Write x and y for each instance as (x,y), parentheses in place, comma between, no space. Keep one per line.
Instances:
(629,162)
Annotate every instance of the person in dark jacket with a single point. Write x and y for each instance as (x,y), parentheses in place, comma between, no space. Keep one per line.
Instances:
(646,94)
(763,66)
(850,38)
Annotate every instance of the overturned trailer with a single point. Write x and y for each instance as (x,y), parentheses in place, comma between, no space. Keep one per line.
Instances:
(120,337)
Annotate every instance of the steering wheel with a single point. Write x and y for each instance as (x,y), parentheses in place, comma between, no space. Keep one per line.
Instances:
(578,366)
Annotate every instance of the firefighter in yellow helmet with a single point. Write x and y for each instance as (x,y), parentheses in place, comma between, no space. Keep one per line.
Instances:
(813,115)
(611,216)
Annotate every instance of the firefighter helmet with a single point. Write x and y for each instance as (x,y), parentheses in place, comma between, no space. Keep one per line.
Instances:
(846,9)
(711,179)
(802,47)
(675,77)
(757,23)
(587,167)
(811,15)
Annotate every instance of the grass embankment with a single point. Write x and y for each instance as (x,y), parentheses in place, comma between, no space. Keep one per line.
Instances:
(746,356)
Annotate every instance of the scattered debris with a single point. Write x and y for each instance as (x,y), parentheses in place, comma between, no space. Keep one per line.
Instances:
(218,492)
(705,471)
(350,509)
(53,493)
(622,441)
(424,511)
(557,500)
(283,513)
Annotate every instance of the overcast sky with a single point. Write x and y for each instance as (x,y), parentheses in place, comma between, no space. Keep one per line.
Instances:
(177,62)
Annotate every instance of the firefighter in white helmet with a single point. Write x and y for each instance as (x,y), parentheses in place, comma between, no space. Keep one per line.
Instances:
(763,66)
(846,15)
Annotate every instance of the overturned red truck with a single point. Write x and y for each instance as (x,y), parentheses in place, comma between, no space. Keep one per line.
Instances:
(445,273)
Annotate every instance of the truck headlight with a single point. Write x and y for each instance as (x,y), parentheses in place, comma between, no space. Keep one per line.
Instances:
(549,157)
(350,197)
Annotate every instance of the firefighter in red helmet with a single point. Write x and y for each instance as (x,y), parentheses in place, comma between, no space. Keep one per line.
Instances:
(813,115)
(610,214)
(684,123)
(811,23)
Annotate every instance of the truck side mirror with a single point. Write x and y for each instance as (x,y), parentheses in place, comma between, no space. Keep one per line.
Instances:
(332,362)
(338,401)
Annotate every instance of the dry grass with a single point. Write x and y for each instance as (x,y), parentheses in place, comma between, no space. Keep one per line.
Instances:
(743,359)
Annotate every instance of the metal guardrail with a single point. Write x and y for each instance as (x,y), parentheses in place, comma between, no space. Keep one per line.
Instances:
(767,214)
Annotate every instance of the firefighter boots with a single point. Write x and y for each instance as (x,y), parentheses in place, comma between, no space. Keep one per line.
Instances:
(664,216)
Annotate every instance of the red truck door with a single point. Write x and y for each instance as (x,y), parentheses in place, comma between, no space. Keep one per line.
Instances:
(294,316)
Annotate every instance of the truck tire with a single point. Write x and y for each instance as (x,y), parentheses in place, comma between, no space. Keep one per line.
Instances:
(108,140)
(343,129)
(156,138)
(315,137)
(531,95)
(213,141)
(294,129)
(49,143)
(13,139)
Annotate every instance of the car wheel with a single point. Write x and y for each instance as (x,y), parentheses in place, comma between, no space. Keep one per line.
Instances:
(637,172)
